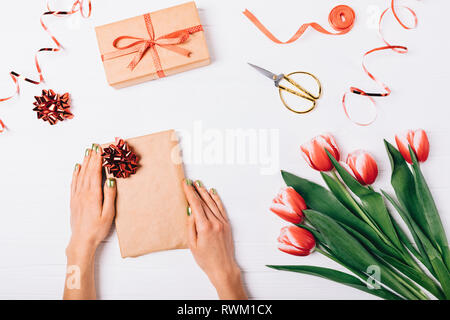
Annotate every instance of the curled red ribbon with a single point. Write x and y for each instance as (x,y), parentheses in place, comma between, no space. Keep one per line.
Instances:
(78,6)
(396,48)
(141,46)
(341,19)
(119,160)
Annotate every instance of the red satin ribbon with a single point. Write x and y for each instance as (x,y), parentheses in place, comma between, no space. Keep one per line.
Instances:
(141,46)
(78,6)
(341,19)
(396,48)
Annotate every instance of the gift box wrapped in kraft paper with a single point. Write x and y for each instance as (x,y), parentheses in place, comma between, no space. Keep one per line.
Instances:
(153,45)
(151,209)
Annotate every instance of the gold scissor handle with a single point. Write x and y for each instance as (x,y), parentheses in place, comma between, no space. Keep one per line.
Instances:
(303,93)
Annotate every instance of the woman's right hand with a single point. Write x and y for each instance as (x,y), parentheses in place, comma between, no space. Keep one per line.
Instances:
(211,241)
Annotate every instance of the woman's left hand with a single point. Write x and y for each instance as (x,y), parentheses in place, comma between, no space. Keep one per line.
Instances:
(92,213)
(92,210)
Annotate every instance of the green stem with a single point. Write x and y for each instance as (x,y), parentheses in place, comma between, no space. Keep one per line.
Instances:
(404,253)
(361,212)
(417,292)
(406,286)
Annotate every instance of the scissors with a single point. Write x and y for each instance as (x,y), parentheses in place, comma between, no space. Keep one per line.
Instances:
(301,93)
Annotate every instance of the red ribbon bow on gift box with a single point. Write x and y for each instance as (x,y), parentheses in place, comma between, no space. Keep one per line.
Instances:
(141,46)
(119,160)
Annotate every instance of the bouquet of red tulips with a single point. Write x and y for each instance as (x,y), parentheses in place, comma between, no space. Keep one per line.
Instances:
(351,224)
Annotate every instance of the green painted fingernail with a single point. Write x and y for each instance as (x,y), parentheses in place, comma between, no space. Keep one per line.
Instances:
(214,191)
(111,182)
(88,152)
(97,149)
(93,146)
(189,182)
(188,211)
(198,183)
(76,167)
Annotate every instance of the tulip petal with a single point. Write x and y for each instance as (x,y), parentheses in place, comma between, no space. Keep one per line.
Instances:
(333,145)
(295,200)
(292,250)
(421,145)
(370,170)
(306,155)
(315,154)
(364,167)
(296,241)
(319,156)
(351,162)
(347,168)
(300,238)
(402,145)
(286,213)
(282,237)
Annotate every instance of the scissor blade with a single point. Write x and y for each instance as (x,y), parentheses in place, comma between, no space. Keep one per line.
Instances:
(265,72)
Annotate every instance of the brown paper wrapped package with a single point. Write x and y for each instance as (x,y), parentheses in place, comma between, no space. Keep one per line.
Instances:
(164,22)
(150,206)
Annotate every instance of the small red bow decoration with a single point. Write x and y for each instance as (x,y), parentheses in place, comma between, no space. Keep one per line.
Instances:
(52,107)
(119,160)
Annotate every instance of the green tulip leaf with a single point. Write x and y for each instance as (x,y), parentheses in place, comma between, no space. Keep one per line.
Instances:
(430,210)
(438,268)
(320,199)
(341,194)
(423,256)
(404,185)
(340,277)
(372,202)
(412,273)
(346,248)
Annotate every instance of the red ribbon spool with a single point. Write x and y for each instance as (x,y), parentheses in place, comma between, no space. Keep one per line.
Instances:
(341,19)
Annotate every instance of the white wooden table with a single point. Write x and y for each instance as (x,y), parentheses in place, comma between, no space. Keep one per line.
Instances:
(37,160)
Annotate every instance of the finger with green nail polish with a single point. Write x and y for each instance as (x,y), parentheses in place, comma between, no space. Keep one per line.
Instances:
(111,182)
(198,183)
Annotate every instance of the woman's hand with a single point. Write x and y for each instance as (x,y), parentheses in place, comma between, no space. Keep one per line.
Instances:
(211,241)
(92,214)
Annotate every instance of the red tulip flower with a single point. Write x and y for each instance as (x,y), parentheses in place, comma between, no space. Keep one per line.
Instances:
(362,166)
(315,154)
(419,143)
(296,241)
(289,205)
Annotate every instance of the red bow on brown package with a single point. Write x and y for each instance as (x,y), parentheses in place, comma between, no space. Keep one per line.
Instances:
(52,107)
(119,160)
(141,46)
